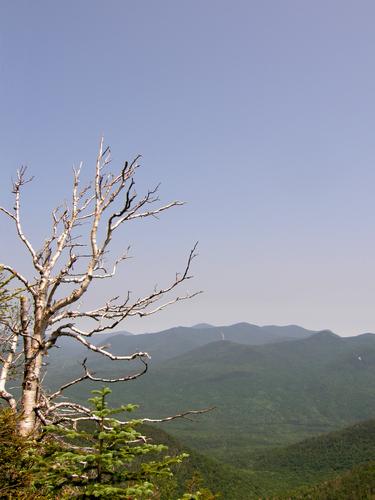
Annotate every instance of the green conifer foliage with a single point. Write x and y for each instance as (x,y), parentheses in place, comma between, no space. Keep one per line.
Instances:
(16,461)
(7,296)
(105,462)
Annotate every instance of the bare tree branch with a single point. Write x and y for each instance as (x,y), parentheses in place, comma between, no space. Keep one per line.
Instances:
(74,413)
(16,216)
(91,376)
(7,362)
(20,277)
(68,261)
(102,351)
(184,414)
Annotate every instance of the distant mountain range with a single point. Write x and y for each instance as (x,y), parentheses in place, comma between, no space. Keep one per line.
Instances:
(271,386)
(265,396)
(175,341)
(274,388)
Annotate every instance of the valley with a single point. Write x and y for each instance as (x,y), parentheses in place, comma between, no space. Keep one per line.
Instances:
(287,401)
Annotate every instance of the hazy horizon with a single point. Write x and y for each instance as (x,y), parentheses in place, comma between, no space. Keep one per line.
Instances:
(260,115)
(212,324)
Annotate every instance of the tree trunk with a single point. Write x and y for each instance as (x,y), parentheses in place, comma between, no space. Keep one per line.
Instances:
(33,352)
(30,394)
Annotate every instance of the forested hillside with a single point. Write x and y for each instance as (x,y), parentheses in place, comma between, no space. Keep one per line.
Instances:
(265,396)
(356,484)
(274,403)
(317,459)
(333,465)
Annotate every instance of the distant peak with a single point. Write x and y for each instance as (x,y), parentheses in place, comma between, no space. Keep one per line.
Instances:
(203,325)
(243,324)
(362,337)
(292,325)
(328,334)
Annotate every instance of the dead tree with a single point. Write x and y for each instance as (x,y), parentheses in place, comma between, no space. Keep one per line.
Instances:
(9,357)
(71,258)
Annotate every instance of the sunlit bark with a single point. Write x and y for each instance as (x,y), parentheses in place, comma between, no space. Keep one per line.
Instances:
(70,259)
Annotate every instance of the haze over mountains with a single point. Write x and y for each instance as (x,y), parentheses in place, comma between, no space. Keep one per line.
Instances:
(175,341)
(276,384)
(265,395)
(271,387)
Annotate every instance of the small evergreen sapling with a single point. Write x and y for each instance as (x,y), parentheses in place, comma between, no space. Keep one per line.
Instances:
(105,462)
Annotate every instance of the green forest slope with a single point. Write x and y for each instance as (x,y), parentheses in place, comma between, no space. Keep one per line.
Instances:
(317,459)
(199,471)
(265,396)
(333,463)
(356,484)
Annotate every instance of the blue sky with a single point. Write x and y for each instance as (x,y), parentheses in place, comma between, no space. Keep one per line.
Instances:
(259,114)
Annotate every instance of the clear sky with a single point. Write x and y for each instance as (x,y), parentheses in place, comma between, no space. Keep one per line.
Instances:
(260,114)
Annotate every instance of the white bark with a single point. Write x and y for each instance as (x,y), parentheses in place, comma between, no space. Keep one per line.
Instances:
(65,266)
(4,374)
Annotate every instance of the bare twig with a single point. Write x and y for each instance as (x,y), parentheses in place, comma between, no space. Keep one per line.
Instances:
(64,273)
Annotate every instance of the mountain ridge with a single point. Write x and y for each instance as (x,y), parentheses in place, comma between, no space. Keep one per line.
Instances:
(275,394)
